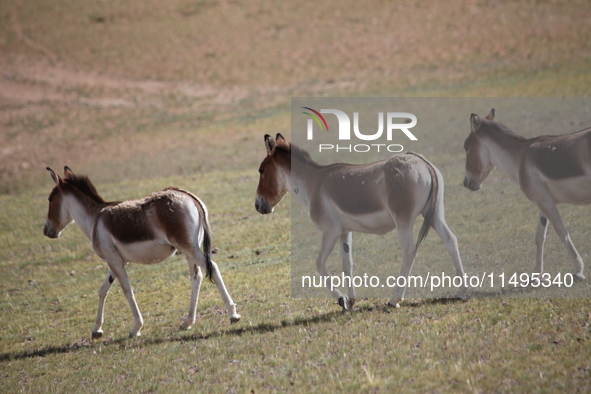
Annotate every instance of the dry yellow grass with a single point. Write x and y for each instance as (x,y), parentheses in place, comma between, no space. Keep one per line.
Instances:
(89,82)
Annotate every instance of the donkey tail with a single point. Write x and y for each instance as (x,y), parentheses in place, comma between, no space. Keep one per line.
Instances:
(433,194)
(206,246)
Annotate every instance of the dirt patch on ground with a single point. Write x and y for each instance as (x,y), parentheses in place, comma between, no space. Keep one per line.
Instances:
(88,82)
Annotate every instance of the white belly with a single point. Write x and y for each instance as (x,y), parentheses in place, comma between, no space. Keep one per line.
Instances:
(373,223)
(146,252)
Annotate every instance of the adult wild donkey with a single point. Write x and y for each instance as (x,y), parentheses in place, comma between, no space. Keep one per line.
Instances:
(145,231)
(549,170)
(371,198)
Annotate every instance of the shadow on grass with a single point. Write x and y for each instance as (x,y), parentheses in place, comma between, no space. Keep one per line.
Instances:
(432,301)
(260,328)
(513,292)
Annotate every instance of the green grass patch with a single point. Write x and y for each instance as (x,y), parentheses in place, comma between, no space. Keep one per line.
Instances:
(49,303)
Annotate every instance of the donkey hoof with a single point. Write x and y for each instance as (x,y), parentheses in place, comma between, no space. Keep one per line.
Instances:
(345,303)
(235,319)
(396,303)
(137,334)
(97,334)
(185,326)
(579,276)
(463,296)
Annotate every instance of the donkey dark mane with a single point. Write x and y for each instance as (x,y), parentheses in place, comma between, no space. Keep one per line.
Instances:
(304,156)
(506,131)
(496,126)
(82,183)
(301,155)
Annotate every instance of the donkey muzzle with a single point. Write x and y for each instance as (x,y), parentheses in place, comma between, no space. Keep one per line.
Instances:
(49,231)
(471,184)
(262,206)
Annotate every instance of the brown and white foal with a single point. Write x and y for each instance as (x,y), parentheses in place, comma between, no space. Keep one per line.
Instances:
(144,231)
(549,170)
(371,198)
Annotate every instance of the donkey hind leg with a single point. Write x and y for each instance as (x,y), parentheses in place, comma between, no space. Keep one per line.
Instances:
(409,252)
(541,231)
(197,264)
(216,276)
(347,302)
(549,210)
(118,268)
(196,276)
(97,331)
(326,246)
(451,244)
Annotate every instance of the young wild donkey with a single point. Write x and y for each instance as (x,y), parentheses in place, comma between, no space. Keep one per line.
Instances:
(144,231)
(550,170)
(371,198)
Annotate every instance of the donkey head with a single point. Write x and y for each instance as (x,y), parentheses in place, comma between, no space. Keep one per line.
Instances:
(58,215)
(274,171)
(478,160)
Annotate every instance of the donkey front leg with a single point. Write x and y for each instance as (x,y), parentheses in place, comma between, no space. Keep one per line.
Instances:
(326,246)
(118,268)
(97,331)
(550,211)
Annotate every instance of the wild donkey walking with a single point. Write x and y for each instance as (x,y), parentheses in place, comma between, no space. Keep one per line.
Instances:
(145,231)
(372,198)
(549,169)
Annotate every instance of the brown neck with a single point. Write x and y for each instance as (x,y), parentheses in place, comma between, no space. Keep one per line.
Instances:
(505,148)
(83,209)
(301,173)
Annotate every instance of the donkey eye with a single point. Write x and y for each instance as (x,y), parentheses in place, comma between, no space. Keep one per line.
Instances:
(261,171)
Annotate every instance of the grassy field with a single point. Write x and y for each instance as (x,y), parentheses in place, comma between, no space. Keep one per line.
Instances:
(141,95)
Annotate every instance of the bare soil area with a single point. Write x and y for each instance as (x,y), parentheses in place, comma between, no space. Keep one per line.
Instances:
(90,83)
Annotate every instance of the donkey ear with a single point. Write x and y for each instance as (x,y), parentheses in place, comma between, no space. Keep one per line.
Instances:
(474,122)
(491,115)
(68,173)
(56,178)
(280,139)
(269,144)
